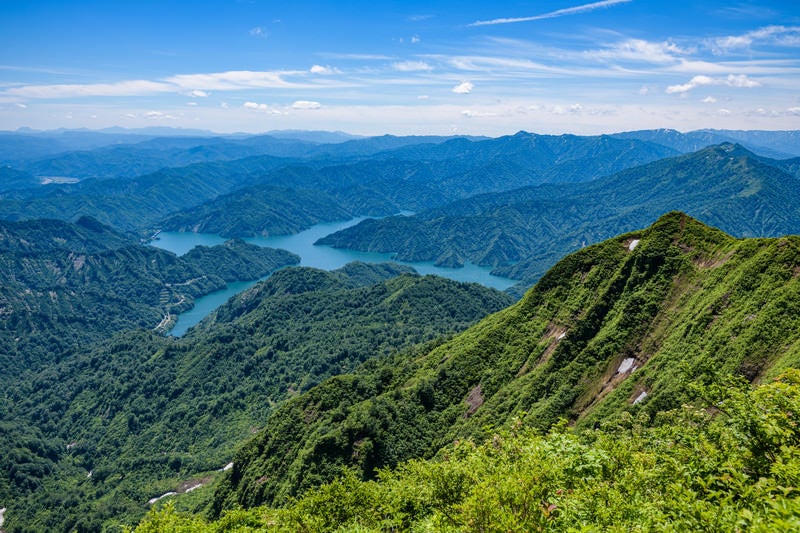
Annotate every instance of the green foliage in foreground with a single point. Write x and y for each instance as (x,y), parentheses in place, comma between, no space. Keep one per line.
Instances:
(687,470)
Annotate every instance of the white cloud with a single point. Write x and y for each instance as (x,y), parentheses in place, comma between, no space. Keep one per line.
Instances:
(553,14)
(21,106)
(465,87)
(305,104)
(224,105)
(709,100)
(423,97)
(257,107)
(644,90)
(794,110)
(724,112)
(198,94)
(412,66)
(193,104)
(415,39)
(695,82)
(324,70)
(733,80)
(741,80)
(263,108)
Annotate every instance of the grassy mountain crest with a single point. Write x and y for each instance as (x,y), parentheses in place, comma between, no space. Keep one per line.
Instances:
(622,326)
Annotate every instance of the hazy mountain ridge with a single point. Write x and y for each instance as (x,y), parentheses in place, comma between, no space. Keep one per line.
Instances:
(523,232)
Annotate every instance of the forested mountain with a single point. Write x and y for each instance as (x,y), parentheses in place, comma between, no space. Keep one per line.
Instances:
(139,202)
(11,179)
(625,327)
(261,210)
(525,231)
(101,432)
(423,173)
(63,285)
(312,384)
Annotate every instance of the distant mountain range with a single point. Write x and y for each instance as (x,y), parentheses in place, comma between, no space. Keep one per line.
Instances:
(525,231)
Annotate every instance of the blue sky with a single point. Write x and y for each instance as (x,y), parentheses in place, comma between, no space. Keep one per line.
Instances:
(410,67)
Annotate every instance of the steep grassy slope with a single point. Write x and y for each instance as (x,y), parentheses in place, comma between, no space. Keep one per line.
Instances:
(692,469)
(623,326)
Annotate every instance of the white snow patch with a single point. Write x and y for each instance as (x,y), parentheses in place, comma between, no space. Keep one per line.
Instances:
(151,501)
(633,244)
(190,489)
(626,365)
(227,467)
(561,336)
(641,397)
(2,519)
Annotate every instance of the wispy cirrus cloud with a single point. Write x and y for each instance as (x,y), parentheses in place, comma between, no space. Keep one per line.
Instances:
(553,14)
(122,88)
(777,34)
(194,85)
(640,50)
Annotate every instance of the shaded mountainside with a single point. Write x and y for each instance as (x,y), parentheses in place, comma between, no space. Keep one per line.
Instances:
(140,202)
(63,285)
(523,232)
(262,210)
(625,326)
(11,178)
(143,413)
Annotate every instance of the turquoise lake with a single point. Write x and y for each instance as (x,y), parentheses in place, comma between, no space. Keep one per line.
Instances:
(302,244)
